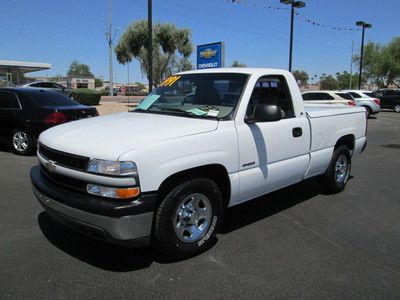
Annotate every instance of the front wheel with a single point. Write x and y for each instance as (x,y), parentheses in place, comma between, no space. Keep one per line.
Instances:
(188,218)
(396,108)
(22,142)
(335,178)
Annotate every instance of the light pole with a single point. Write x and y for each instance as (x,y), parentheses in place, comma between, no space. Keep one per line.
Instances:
(363,25)
(150,45)
(110,40)
(294,4)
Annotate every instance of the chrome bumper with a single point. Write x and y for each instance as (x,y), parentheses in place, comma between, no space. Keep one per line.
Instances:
(120,229)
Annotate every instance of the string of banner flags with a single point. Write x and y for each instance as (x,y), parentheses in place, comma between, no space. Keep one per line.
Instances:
(300,15)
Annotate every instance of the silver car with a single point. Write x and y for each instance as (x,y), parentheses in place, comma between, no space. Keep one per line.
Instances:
(372,105)
(50,86)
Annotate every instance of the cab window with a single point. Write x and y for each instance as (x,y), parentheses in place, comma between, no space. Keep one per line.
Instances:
(272,90)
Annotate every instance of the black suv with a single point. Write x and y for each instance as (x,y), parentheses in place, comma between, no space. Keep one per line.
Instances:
(26,112)
(390,98)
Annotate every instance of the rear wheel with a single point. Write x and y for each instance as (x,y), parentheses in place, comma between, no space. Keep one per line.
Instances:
(396,108)
(335,178)
(188,218)
(369,111)
(22,142)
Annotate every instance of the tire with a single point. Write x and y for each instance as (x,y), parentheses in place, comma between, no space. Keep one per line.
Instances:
(22,142)
(396,108)
(188,218)
(335,178)
(369,111)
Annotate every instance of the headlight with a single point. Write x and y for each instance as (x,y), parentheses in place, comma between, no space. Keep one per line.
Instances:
(113,168)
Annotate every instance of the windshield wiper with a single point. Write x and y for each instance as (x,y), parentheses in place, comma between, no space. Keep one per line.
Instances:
(187,113)
(138,110)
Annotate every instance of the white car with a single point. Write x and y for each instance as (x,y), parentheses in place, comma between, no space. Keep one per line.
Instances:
(165,172)
(50,86)
(372,105)
(328,97)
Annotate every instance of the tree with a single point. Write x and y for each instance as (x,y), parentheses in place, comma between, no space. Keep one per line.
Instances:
(328,82)
(343,80)
(237,64)
(98,82)
(168,42)
(179,65)
(301,77)
(77,69)
(381,63)
(140,86)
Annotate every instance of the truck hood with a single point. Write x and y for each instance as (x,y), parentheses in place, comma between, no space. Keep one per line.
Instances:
(108,137)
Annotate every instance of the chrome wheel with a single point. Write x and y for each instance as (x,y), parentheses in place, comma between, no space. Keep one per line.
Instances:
(192,218)
(20,141)
(397,108)
(341,169)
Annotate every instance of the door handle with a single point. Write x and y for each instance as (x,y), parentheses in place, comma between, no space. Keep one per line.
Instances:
(297,131)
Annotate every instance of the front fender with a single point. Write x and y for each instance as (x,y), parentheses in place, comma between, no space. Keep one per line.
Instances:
(157,162)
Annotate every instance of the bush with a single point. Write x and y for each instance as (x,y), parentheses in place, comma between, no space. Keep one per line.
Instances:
(139,93)
(87,96)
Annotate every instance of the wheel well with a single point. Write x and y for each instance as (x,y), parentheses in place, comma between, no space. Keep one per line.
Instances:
(347,140)
(215,172)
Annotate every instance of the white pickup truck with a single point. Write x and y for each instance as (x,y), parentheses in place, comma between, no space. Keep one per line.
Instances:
(201,142)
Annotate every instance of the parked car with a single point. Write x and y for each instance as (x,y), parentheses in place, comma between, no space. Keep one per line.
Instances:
(169,182)
(328,97)
(25,113)
(390,98)
(50,86)
(371,104)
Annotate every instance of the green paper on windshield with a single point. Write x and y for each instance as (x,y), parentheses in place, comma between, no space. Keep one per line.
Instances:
(197,112)
(148,101)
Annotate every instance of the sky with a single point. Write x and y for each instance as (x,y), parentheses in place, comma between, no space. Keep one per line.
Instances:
(58,32)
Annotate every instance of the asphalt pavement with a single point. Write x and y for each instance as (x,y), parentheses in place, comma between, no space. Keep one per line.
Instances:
(294,243)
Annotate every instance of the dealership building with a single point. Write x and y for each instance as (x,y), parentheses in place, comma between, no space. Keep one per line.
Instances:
(14,69)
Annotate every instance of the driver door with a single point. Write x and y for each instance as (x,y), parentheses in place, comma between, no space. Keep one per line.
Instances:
(274,154)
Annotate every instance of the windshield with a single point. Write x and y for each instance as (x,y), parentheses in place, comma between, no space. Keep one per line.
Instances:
(208,95)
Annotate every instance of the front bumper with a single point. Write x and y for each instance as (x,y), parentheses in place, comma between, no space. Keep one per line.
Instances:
(121,222)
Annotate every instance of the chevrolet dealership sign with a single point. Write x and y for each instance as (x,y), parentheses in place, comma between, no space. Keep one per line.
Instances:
(211,56)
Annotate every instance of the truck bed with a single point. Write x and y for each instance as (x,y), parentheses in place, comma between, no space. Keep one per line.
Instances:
(328,123)
(325,110)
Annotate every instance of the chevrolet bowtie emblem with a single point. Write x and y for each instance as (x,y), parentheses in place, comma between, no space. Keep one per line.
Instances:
(50,166)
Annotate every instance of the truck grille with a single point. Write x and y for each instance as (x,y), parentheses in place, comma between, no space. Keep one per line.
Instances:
(64,159)
(67,182)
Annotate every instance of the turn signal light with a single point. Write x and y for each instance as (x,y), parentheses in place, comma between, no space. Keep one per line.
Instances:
(112,192)
(127,193)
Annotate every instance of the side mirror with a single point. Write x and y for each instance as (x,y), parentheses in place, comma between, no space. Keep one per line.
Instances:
(265,113)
